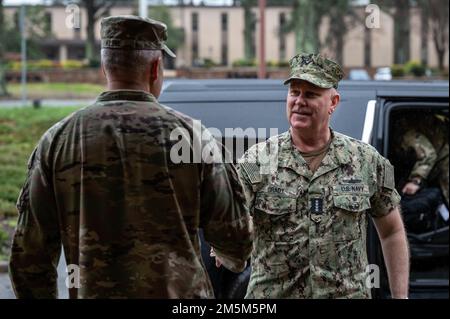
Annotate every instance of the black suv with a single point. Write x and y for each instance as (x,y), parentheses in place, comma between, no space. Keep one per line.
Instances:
(368,111)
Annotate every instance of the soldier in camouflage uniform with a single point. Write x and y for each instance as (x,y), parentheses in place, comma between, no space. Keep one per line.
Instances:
(310,191)
(428,139)
(102,183)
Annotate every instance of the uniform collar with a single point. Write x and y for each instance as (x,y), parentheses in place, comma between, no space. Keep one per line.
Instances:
(290,157)
(338,148)
(336,156)
(126,95)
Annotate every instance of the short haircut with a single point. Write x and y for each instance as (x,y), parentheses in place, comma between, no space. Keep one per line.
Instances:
(131,62)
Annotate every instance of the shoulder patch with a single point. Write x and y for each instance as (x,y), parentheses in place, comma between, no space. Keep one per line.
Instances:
(389,181)
(252,171)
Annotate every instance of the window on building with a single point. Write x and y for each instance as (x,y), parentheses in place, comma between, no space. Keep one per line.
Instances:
(194,51)
(195,21)
(77,31)
(195,54)
(76,52)
(50,52)
(224,19)
(224,54)
(282,44)
(224,40)
(48,23)
(253,35)
(282,19)
(16,19)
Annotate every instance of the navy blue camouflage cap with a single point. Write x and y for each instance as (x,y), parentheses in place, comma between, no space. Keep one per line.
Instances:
(134,33)
(315,69)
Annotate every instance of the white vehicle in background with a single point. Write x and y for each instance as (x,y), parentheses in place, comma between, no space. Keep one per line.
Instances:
(358,75)
(383,74)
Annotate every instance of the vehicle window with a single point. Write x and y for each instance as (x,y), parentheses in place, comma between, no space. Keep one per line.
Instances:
(349,116)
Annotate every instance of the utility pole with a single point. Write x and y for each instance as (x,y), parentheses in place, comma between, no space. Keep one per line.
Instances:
(23,31)
(262,38)
(143,8)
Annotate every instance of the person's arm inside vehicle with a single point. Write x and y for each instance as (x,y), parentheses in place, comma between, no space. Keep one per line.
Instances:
(425,159)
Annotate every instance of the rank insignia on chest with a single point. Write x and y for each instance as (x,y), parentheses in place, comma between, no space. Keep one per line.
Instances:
(316,205)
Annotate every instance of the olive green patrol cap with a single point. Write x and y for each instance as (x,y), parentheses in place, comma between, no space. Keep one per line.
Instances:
(134,33)
(315,69)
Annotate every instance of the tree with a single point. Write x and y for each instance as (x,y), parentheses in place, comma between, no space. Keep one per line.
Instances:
(250,21)
(38,27)
(3,90)
(368,47)
(249,29)
(401,31)
(424,30)
(434,21)
(307,17)
(438,11)
(305,22)
(400,12)
(341,16)
(175,37)
(95,9)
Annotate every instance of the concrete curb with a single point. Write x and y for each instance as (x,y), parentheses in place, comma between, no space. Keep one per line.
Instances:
(3,266)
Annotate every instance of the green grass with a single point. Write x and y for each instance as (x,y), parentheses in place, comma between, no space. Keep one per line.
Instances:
(57,90)
(7,227)
(20,131)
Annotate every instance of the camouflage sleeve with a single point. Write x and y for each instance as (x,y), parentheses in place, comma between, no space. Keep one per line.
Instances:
(425,153)
(225,219)
(36,244)
(385,197)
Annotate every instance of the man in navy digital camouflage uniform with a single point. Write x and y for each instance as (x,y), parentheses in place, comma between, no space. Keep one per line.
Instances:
(310,192)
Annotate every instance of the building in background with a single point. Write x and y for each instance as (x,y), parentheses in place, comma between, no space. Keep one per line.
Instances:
(216,34)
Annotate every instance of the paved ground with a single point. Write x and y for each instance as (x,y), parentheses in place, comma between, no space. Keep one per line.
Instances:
(64,102)
(6,291)
(5,287)
(46,102)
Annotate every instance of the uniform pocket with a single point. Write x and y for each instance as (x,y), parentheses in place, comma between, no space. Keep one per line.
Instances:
(352,203)
(275,204)
(275,217)
(347,216)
